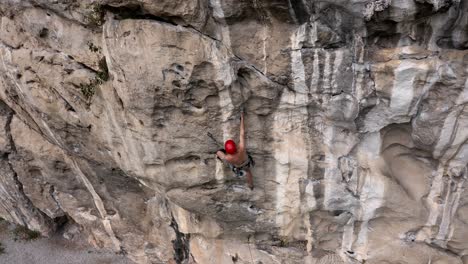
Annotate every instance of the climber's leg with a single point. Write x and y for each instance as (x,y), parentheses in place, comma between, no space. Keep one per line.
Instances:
(249,178)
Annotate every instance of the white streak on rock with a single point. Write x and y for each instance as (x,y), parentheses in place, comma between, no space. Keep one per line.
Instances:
(218,13)
(315,72)
(297,65)
(403,85)
(331,171)
(290,147)
(226,106)
(432,200)
(265,55)
(371,197)
(326,73)
(452,200)
(313,35)
(310,232)
(348,236)
(447,133)
(336,69)
(358,69)
(311,202)
(456,204)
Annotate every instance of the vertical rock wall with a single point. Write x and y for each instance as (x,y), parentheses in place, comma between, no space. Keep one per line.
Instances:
(355,116)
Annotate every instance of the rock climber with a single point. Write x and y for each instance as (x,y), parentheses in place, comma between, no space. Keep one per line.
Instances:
(237,157)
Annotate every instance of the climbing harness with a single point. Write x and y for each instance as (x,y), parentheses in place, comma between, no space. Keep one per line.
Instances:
(239,171)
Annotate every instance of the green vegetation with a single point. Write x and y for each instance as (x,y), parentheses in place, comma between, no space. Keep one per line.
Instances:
(95,17)
(89,89)
(23,233)
(283,242)
(93,47)
(103,73)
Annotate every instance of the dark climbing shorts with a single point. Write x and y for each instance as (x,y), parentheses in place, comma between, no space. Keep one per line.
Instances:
(240,171)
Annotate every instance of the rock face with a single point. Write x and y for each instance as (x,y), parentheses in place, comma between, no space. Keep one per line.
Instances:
(355,114)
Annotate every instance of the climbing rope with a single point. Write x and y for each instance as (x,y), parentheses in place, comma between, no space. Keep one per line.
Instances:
(248,244)
(214,139)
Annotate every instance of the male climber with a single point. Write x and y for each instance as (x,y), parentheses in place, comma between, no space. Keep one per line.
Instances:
(237,157)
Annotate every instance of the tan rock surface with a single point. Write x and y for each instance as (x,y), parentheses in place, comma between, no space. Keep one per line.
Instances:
(355,116)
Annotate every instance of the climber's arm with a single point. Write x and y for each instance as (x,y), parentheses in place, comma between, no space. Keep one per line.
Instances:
(221,155)
(242,133)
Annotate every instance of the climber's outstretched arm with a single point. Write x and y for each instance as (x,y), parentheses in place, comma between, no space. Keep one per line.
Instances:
(242,133)
(220,155)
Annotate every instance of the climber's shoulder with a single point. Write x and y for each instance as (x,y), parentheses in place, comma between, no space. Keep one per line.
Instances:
(229,158)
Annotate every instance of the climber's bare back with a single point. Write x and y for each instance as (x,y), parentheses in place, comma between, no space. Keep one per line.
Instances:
(237,159)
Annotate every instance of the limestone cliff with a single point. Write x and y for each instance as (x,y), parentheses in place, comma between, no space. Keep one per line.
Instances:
(355,113)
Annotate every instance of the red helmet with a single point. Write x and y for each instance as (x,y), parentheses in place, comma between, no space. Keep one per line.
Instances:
(230,146)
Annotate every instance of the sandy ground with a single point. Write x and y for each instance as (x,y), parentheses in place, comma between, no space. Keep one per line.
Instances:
(54,250)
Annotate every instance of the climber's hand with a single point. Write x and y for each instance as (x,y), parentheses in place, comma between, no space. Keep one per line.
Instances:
(222,150)
(220,154)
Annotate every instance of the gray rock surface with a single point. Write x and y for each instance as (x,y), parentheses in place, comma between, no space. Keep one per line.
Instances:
(53,250)
(355,116)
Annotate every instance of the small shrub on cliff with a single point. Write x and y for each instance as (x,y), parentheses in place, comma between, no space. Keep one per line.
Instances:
(93,48)
(23,233)
(95,17)
(103,73)
(89,89)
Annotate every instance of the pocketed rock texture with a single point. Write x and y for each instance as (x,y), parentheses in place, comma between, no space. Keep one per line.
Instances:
(355,115)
